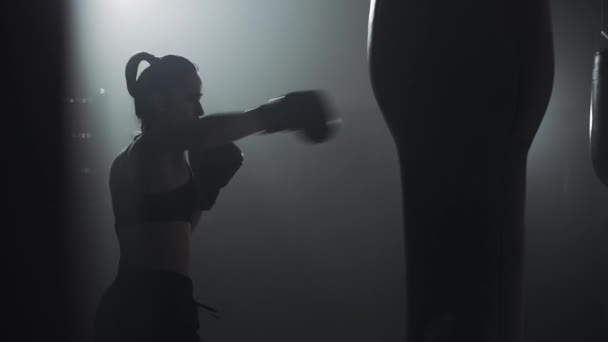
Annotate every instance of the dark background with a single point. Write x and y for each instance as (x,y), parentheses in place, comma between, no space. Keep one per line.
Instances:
(305,244)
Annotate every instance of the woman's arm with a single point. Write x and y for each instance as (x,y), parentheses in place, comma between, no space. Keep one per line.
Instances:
(307,111)
(208,131)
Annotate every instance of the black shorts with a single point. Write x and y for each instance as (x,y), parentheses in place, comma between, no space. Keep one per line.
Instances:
(148,306)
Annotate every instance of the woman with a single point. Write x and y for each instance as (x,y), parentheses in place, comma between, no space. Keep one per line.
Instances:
(158,192)
(463,86)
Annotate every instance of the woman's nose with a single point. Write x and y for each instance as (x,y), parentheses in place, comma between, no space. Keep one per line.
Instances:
(199,110)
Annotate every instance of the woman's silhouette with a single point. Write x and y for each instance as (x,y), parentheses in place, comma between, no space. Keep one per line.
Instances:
(463,87)
(158,192)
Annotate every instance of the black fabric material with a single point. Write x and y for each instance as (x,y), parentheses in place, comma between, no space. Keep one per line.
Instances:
(151,306)
(175,205)
(132,205)
(213,169)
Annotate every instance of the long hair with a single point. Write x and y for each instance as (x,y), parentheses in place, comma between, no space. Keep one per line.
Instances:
(161,77)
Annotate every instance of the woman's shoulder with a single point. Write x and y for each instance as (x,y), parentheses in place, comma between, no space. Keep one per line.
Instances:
(139,148)
(120,168)
(132,151)
(122,156)
(132,158)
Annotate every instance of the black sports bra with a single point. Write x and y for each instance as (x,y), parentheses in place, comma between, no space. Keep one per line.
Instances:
(131,205)
(174,205)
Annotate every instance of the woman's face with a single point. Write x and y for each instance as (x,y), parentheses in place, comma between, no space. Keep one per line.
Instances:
(186,102)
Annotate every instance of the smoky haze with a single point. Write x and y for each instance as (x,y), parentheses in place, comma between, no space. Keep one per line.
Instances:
(305,243)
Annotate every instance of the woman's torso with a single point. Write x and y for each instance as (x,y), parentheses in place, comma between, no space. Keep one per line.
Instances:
(151,197)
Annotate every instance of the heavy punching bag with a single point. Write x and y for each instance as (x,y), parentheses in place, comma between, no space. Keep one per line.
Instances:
(463,88)
(598,126)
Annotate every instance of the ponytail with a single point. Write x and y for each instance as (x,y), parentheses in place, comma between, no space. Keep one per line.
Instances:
(133,66)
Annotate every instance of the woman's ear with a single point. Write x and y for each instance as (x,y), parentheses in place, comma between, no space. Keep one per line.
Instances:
(159,102)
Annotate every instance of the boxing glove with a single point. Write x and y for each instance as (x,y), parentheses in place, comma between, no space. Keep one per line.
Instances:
(307,112)
(213,169)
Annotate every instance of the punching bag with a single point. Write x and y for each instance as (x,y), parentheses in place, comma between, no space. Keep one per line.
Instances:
(463,88)
(598,125)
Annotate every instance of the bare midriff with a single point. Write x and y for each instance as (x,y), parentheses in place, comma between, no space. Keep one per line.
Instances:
(159,246)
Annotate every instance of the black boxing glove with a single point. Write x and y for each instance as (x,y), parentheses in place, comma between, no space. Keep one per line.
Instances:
(212,170)
(308,112)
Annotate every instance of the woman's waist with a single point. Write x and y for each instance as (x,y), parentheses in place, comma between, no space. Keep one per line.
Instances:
(137,290)
(156,246)
(153,278)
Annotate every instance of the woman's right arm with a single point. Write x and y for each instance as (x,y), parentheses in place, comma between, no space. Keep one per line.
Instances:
(308,111)
(210,130)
